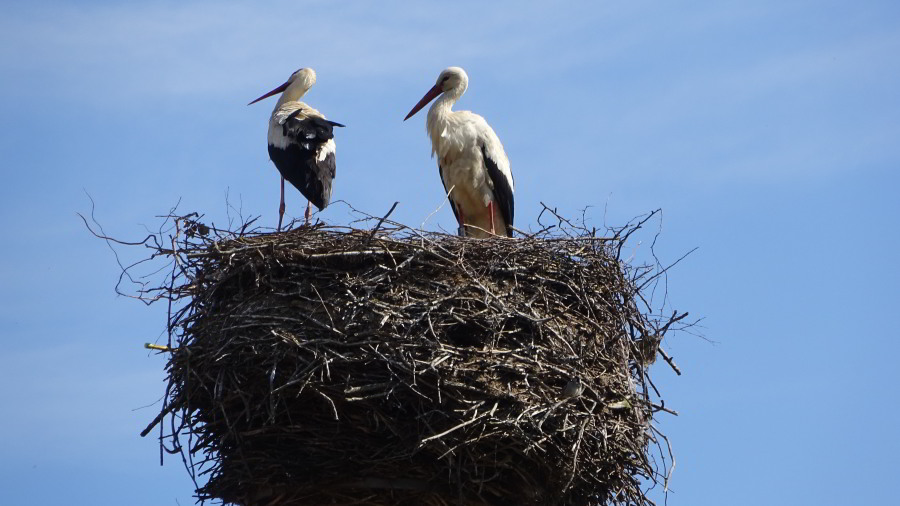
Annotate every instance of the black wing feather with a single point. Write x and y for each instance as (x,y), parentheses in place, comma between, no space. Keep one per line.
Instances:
(503,192)
(298,161)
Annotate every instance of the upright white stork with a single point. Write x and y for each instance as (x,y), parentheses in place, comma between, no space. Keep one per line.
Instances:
(472,163)
(301,142)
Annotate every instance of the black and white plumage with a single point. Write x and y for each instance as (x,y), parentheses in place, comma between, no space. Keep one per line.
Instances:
(301,145)
(301,142)
(472,162)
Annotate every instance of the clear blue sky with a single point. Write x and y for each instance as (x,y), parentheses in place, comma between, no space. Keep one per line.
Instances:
(768,131)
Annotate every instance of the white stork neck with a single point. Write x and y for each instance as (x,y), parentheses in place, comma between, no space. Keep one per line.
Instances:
(443,106)
(436,124)
(293,93)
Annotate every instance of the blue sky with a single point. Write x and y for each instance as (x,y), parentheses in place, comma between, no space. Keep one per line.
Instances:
(767,132)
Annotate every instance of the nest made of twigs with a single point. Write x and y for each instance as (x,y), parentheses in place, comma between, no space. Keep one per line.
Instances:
(329,365)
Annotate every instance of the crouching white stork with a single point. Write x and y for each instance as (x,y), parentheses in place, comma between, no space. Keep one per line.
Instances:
(472,163)
(301,142)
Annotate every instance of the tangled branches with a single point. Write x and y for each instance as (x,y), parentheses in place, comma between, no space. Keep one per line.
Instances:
(333,365)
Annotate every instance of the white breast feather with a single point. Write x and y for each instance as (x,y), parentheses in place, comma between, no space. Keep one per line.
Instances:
(456,139)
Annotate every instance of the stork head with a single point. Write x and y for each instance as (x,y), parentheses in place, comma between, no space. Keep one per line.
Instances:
(295,87)
(452,80)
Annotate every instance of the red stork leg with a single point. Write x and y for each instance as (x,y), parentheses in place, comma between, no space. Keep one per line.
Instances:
(308,211)
(281,207)
(491,210)
(462,221)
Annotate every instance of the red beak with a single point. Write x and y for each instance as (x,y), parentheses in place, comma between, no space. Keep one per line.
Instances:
(273,92)
(433,92)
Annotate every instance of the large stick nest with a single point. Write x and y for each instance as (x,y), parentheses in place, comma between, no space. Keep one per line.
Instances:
(330,365)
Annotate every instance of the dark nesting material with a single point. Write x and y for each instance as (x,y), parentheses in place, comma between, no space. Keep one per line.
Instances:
(329,365)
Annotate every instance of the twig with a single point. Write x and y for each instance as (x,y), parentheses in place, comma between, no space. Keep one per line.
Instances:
(375,230)
(172,406)
(669,361)
(439,207)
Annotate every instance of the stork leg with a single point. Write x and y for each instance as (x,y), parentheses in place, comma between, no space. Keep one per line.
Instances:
(491,210)
(308,212)
(281,207)
(462,221)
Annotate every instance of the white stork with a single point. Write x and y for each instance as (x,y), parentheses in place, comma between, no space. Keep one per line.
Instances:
(472,163)
(301,142)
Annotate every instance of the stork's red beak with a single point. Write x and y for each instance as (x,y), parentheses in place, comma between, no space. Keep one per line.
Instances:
(273,92)
(433,92)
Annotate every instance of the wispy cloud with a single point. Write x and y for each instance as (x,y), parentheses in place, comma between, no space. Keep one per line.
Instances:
(710,88)
(129,50)
(776,75)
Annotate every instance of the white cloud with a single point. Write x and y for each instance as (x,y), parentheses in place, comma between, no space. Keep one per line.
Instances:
(140,49)
(600,74)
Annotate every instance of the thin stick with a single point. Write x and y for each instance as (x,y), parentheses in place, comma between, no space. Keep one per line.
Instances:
(375,230)
(439,207)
